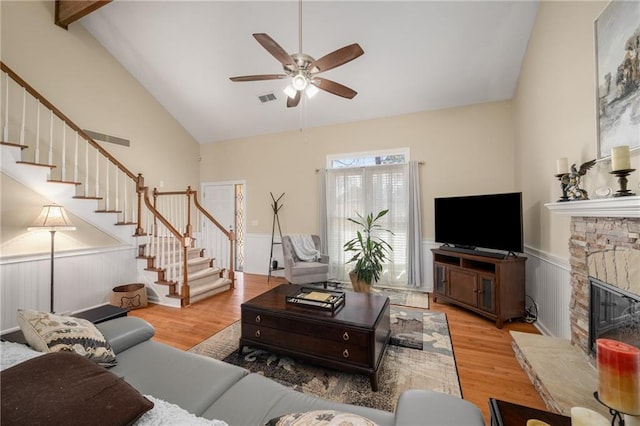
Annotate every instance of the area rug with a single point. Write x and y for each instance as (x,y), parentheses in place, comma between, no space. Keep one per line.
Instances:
(419,356)
(397,296)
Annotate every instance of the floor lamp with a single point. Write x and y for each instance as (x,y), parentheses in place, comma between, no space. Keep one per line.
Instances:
(52,218)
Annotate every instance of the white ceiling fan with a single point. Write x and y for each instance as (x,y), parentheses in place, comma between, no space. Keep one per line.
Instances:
(304,69)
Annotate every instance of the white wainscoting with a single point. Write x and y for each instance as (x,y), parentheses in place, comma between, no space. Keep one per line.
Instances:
(548,283)
(83,279)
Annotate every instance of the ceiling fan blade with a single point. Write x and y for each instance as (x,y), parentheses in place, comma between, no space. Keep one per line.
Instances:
(276,50)
(336,58)
(333,87)
(295,101)
(258,77)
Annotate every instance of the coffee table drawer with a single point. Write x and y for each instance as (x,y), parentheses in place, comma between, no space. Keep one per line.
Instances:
(324,331)
(335,350)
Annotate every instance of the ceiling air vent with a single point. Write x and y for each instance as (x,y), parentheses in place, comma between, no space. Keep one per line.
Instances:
(267,97)
(101,137)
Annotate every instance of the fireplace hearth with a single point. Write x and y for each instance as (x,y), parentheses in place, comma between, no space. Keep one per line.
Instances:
(604,247)
(613,314)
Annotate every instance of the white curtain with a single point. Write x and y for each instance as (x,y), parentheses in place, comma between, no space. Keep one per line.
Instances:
(415,255)
(368,190)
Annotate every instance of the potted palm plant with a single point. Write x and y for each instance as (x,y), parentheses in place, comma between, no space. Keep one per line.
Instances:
(369,251)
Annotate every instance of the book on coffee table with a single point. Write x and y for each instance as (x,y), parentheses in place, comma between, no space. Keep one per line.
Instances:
(323,299)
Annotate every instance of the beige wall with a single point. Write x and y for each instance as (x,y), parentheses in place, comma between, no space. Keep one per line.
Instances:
(73,71)
(555,116)
(466,150)
(19,213)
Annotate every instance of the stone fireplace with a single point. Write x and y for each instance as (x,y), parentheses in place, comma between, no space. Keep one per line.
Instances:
(604,248)
(607,249)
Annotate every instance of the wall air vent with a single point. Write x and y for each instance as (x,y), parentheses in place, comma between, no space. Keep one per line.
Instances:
(267,97)
(101,137)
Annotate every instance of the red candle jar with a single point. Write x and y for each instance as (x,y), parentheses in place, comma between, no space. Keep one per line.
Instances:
(619,375)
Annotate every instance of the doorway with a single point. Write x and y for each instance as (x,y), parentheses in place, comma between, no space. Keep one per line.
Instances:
(226,203)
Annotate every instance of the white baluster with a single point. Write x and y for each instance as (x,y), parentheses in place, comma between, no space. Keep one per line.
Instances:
(117,187)
(107,194)
(125,192)
(97,173)
(5,130)
(50,140)
(64,152)
(86,169)
(75,160)
(37,150)
(24,115)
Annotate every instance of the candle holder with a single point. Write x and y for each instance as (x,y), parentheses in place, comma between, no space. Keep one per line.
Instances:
(617,417)
(622,181)
(564,185)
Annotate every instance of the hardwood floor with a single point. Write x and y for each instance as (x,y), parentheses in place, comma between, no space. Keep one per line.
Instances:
(486,363)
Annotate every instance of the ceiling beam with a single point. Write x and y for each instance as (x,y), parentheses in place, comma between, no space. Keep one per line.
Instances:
(69,11)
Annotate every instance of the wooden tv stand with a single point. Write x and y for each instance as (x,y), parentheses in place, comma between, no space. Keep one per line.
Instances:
(487,285)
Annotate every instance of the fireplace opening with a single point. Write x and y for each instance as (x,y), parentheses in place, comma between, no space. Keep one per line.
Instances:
(613,314)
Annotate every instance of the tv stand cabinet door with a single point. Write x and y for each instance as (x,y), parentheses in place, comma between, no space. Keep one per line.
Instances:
(440,272)
(463,286)
(487,293)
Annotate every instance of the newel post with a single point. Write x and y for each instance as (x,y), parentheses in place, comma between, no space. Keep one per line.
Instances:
(232,240)
(139,191)
(189,227)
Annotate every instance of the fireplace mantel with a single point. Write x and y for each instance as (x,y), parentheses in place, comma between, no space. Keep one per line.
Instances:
(601,207)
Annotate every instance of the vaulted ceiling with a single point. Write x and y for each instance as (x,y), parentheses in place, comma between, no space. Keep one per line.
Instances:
(419,55)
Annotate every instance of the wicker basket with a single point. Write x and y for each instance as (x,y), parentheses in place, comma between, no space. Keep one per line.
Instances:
(132,296)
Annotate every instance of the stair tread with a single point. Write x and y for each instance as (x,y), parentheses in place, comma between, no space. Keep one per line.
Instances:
(30,163)
(68,182)
(221,282)
(198,260)
(203,273)
(15,145)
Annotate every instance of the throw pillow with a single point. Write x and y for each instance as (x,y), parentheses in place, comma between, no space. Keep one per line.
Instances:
(47,332)
(64,388)
(320,418)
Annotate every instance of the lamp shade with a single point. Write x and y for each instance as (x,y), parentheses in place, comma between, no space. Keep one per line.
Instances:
(52,218)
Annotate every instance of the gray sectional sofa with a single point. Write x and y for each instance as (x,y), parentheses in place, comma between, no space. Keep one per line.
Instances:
(217,390)
(154,384)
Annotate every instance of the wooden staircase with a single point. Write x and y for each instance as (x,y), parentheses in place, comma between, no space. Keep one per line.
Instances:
(204,278)
(74,169)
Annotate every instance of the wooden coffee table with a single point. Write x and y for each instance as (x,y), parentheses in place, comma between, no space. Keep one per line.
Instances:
(353,339)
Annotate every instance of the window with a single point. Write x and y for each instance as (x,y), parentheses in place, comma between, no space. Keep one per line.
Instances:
(378,182)
(364,159)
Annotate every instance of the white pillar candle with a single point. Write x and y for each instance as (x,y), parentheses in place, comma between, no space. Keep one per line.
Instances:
(584,417)
(562,166)
(620,158)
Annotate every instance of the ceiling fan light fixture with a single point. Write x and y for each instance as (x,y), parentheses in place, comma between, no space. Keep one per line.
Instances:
(299,82)
(290,91)
(311,91)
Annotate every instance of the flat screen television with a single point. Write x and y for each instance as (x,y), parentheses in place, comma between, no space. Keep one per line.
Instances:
(491,221)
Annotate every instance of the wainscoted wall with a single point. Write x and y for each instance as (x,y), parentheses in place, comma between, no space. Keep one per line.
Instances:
(83,279)
(548,283)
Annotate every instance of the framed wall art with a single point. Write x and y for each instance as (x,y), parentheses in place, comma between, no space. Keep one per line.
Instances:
(617,39)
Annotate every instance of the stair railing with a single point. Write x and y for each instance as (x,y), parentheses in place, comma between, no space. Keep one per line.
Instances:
(179,207)
(50,139)
(166,250)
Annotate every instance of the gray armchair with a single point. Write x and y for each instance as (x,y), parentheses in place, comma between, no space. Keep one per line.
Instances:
(297,271)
